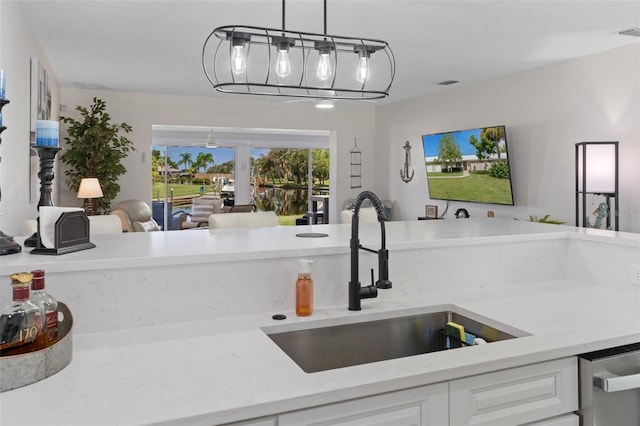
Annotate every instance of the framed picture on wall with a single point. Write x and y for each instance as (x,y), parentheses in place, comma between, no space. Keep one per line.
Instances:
(40,96)
(40,110)
(431,212)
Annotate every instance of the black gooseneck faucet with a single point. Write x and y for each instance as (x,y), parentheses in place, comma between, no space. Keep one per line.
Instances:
(356,291)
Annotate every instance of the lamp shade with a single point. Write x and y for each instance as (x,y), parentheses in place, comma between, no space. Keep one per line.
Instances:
(90,188)
(597,167)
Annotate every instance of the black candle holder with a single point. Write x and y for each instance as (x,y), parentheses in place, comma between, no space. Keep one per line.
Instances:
(7,245)
(47,155)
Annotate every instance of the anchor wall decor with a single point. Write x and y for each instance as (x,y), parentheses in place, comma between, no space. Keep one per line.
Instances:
(404,173)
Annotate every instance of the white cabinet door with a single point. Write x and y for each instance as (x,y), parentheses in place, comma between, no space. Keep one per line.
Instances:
(568,420)
(423,406)
(515,396)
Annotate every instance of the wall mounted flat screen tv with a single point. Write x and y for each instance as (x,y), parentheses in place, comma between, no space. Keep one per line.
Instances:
(469,165)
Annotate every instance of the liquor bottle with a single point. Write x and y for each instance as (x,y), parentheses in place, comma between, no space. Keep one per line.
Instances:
(47,303)
(22,321)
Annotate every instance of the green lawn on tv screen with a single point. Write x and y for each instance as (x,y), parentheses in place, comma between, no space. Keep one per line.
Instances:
(476,187)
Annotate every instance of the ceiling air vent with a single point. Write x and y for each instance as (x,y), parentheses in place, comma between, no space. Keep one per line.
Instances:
(635,32)
(448,82)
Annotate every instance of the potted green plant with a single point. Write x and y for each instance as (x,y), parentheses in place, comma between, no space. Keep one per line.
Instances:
(545,219)
(95,148)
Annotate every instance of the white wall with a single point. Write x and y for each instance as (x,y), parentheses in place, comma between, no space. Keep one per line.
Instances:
(17,45)
(142,111)
(547,111)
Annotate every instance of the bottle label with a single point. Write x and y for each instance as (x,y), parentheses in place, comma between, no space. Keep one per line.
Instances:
(28,334)
(52,325)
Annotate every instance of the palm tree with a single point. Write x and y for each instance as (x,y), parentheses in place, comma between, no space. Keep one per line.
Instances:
(185,158)
(204,159)
(495,135)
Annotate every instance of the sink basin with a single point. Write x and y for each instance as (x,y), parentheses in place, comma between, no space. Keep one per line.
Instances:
(320,347)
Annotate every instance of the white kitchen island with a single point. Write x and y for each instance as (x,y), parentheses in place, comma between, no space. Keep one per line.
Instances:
(168,327)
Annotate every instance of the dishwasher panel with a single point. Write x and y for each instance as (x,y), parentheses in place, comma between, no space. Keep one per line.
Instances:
(610,387)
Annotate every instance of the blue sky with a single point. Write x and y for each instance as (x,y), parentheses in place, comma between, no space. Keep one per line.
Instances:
(431,142)
(221,155)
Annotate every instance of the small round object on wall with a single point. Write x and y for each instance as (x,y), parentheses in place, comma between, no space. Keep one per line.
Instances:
(462,214)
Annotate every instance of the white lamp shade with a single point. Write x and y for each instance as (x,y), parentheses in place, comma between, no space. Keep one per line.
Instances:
(599,162)
(89,188)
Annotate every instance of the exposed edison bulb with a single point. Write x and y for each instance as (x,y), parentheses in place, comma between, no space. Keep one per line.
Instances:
(283,66)
(324,71)
(238,60)
(363,73)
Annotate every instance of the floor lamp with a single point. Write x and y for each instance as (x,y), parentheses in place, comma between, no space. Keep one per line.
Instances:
(597,180)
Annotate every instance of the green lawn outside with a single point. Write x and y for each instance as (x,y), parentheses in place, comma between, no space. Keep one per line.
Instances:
(179,190)
(288,220)
(481,188)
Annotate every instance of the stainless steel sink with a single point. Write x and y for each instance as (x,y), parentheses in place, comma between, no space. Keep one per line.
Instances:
(325,347)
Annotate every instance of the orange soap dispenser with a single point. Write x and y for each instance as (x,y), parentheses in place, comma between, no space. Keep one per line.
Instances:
(304,289)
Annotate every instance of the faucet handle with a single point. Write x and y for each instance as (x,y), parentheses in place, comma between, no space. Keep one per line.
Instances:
(384,284)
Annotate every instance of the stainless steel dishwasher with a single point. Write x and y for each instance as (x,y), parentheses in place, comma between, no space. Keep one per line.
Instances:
(610,387)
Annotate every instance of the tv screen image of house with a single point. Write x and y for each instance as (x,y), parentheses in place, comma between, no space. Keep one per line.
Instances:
(469,165)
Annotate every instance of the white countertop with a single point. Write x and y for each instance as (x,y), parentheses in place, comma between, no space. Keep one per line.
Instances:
(205,376)
(212,372)
(118,251)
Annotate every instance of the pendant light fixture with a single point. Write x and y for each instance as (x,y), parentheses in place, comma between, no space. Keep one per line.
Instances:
(253,60)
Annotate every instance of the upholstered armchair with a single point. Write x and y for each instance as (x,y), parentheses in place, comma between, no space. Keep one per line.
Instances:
(240,208)
(199,217)
(135,216)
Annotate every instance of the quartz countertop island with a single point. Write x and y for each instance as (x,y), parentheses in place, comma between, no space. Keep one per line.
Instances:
(569,293)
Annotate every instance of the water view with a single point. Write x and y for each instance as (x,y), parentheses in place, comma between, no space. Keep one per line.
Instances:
(278,178)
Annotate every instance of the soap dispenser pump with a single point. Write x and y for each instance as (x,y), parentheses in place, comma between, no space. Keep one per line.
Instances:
(304,289)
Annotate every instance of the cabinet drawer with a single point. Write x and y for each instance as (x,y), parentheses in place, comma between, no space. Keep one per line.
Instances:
(515,396)
(425,405)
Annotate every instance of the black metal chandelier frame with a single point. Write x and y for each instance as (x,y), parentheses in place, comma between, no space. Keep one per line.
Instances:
(218,67)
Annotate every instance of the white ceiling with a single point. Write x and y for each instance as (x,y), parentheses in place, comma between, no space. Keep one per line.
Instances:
(155,46)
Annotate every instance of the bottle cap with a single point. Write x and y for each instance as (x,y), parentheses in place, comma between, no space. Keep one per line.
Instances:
(20,283)
(305,266)
(21,278)
(38,279)
(38,273)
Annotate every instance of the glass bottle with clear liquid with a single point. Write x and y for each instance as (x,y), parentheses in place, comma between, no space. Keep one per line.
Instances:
(40,297)
(22,321)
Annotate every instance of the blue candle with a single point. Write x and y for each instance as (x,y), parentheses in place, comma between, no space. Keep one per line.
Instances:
(0,119)
(3,85)
(47,133)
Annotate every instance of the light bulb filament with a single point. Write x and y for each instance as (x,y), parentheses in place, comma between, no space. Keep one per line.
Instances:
(324,71)
(363,73)
(238,60)
(283,65)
